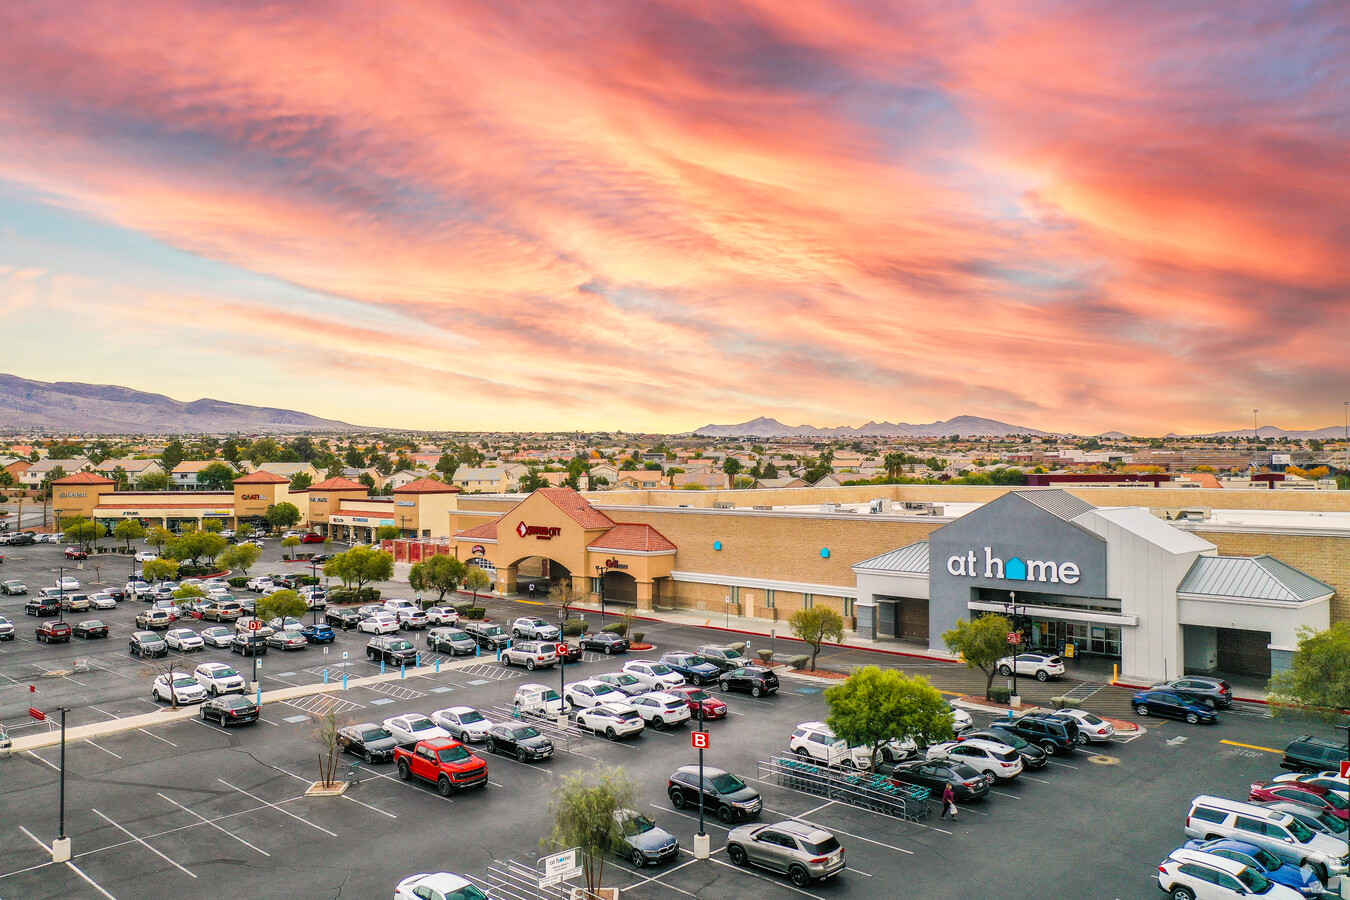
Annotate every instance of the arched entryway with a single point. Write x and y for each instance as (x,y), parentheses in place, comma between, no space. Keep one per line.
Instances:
(542,572)
(620,589)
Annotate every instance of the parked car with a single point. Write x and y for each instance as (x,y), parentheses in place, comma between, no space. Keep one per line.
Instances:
(755,680)
(76,603)
(13,586)
(698,698)
(815,740)
(184,639)
(244,625)
(624,682)
(6,629)
(90,629)
(1329,780)
(43,606)
(531,654)
(57,632)
(1283,835)
(592,692)
(992,758)
(720,792)
(342,618)
(144,556)
(538,700)
(147,645)
(444,762)
(1050,734)
(76,553)
(443,615)
(287,640)
(170,607)
(803,852)
(312,538)
(1033,757)
(259,583)
(391,649)
(464,723)
(656,676)
(1041,666)
(1307,753)
(644,843)
(1091,727)
(177,688)
(221,610)
(395,605)
(695,669)
(515,738)
(235,709)
(452,641)
(437,885)
(102,600)
(137,589)
(286,623)
(1172,706)
(725,658)
(412,619)
(936,774)
(380,623)
(369,741)
(660,709)
(1187,874)
(219,678)
(414,727)
(1319,820)
(1212,692)
(1307,794)
(536,629)
(570,652)
(604,642)
(1268,864)
(248,643)
(154,618)
(488,635)
(66,583)
(318,634)
(613,720)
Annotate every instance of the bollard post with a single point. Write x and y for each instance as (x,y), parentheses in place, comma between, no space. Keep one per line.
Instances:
(344,681)
(325,676)
(402,671)
(381,667)
(477,650)
(438,665)
(419,659)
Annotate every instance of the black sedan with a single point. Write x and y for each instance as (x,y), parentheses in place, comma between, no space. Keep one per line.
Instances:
(524,741)
(572,653)
(604,642)
(342,618)
(231,709)
(1033,757)
(1173,706)
(756,680)
(936,774)
(249,645)
(90,628)
(368,741)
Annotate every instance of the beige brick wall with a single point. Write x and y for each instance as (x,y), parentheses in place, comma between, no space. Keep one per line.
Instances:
(1324,558)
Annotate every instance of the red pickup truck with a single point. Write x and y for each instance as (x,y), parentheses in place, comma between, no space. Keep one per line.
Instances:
(444,762)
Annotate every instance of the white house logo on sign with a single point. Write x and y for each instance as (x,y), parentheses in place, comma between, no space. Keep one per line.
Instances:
(1015,569)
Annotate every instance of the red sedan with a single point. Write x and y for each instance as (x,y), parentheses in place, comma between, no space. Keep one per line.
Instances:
(697,696)
(1307,794)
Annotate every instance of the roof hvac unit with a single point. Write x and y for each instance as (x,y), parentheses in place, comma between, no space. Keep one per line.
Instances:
(1185,513)
(876,507)
(761,507)
(921,508)
(724,504)
(829,507)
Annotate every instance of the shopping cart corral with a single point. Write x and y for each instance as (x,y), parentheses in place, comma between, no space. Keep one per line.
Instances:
(865,790)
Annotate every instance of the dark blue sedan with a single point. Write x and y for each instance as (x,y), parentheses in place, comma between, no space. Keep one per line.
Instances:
(318,634)
(1172,706)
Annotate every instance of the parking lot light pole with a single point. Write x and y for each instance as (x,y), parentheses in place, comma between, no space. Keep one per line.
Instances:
(600,574)
(701,840)
(61,846)
(562,675)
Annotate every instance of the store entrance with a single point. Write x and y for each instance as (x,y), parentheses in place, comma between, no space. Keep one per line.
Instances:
(1087,639)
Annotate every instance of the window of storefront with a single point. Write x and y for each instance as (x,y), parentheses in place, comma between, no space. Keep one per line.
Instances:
(595,585)
(848,606)
(768,599)
(808,601)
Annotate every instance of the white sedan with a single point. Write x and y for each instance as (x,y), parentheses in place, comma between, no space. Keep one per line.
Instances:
(412,728)
(961,720)
(219,678)
(102,600)
(998,760)
(183,639)
(1096,729)
(1041,666)
(143,556)
(437,886)
(67,584)
(380,623)
(613,720)
(179,688)
(463,722)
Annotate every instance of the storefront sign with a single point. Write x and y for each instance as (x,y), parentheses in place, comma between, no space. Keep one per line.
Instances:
(64,494)
(1014,569)
(219,512)
(130,512)
(250,496)
(318,499)
(543,532)
(406,502)
(613,563)
(360,520)
(386,521)
(478,550)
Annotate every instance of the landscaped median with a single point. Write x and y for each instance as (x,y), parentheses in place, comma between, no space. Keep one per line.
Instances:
(169,714)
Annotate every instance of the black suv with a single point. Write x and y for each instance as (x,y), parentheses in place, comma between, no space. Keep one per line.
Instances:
(755,679)
(342,618)
(1051,735)
(391,648)
(22,538)
(489,635)
(1314,754)
(723,793)
(43,606)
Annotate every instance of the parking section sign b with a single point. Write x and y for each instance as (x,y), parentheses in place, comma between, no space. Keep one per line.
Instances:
(700,740)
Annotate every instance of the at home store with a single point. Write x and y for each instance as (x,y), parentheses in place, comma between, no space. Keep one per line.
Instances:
(1118,583)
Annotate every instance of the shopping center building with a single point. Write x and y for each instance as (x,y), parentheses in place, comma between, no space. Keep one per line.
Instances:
(1156,580)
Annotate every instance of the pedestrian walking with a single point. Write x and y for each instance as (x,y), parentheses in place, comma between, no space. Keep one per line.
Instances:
(948,802)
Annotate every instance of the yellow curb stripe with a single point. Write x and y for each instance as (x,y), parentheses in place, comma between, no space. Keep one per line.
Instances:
(1251,746)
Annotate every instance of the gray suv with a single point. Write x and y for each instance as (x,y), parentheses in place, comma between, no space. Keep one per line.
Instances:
(535,628)
(531,654)
(803,852)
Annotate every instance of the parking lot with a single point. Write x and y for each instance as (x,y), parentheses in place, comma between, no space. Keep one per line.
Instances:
(187,809)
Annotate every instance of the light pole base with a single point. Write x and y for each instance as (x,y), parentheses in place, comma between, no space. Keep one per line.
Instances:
(562,721)
(61,850)
(1015,701)
(701,846)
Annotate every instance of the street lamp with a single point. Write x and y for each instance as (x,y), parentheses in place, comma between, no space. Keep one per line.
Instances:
(1011,607)
(600,574)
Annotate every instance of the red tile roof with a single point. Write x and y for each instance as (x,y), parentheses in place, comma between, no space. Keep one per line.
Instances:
(576,508)
(485,532)
(338,484)
(427,486)
(632,538)
(261,477)
(84,478)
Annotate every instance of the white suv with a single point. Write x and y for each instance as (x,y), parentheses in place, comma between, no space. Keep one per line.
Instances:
(219,678)
(989,757)
(443,615)
(1204,876)
(530,654)
(661,709)
(1041,666)
(588,693)
(259,584)
(656,676)
(536,629)
(816,740)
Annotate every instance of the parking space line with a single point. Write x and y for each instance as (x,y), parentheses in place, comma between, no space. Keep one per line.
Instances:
(710,820)
(672,870)
(104,712)
(52,766)
(820,807)
(1004,794)
(407,784)
(206,821)
(106,669)
(104,749)
(1060,764)
(1037,780)
(278,808)
(764,878)
(167,859)
(344,796)
(74,868)
(156,737)
(796,818)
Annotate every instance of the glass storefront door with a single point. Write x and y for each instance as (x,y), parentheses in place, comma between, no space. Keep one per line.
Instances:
(1099,640)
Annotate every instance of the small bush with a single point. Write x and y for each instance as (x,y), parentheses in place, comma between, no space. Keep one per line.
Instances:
(798,662)
(475,612)
(237,582)
(574,627)
(463,608)
(999,694)
(637,636)
(619,628)
(1065,702)
(739,647)
(368,595)
(765,656)
(342,595)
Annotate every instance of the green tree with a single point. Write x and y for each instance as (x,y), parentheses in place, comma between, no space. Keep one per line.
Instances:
(387,533)
(289,543)
(245,532)
(442,574)
(981,643)
(196,546)
(476,580)
(215,526)
(216,477)
(770,470)
(302,481)
(588,815)
(239,556)
(303,447)
(172,455)
(283,515)
(230,450)
(532,481)
(815,626)
(360,566)
(894,464)
(186,593)
(354,458)
(153,481)
(121,480)
(1318,682)
(447,465)
(877,705)
(732,467)
(56,474)
(81,530)
(367,479)
(159,538)
(279,605)
(153,570)
(129,530)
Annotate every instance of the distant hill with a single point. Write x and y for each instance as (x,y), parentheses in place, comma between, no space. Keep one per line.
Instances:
(1334,432)
(110,409)
(962,425)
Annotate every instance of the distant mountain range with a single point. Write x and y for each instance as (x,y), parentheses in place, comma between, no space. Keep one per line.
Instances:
(1333,433)
(110,409)
(962,425)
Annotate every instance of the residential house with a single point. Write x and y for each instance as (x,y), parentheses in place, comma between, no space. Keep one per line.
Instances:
(184,475)
(407,476)
(355,475)
(640,480)
(707,478)
(289,470)
(782,483)
(34,475)
(487,481)
(15,466)
(134,468)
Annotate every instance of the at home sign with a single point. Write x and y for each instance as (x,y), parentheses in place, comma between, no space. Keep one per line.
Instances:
(1015,569)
